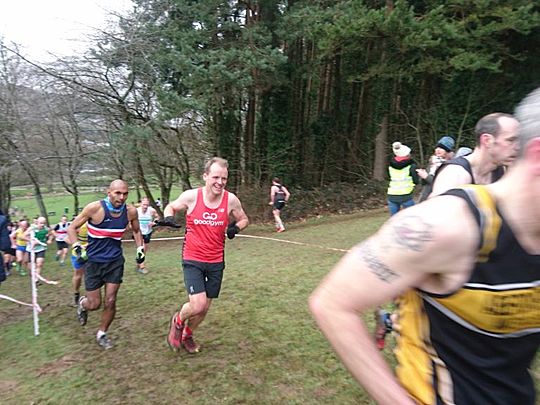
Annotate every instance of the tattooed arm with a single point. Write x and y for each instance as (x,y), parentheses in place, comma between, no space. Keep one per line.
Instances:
(431,244)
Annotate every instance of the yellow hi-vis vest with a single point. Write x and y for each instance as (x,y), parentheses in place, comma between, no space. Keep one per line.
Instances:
(401,182)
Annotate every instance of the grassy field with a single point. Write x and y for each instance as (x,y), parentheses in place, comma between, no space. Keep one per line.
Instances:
(260,344)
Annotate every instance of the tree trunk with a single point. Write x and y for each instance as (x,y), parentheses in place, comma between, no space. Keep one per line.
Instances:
(249,137)
(379,166)
(144,184)
(5,184)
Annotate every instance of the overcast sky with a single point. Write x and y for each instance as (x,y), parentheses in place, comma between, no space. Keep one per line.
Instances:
(42,27)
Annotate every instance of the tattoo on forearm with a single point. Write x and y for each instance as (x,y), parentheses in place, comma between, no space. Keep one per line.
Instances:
(377,267)
(412,232)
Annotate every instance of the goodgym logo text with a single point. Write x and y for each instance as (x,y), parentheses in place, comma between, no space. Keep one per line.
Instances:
(208,218)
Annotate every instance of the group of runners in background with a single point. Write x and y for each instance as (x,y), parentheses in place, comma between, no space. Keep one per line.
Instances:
(95,236)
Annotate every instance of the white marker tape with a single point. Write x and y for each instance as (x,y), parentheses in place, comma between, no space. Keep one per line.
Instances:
(259,237)
(293,242)
(5,297)
(45,280)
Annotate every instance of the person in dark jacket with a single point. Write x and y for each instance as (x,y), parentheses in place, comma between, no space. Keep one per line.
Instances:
(444,150)
(5,243)
(496,148)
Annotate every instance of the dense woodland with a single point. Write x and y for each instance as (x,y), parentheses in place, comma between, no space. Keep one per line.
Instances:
(311,91)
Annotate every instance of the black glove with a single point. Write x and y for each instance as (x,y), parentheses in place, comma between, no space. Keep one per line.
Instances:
(168,221)
(232,230)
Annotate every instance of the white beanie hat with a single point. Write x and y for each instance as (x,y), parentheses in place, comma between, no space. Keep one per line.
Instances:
(400,150)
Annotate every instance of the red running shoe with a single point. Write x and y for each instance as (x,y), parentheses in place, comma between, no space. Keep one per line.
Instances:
(175,334)
(190,345)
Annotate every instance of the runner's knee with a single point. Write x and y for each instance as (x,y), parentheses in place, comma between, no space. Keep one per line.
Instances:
(199,307)
(92,303)
(110,302)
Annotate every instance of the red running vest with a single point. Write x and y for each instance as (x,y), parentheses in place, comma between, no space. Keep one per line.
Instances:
(205,231)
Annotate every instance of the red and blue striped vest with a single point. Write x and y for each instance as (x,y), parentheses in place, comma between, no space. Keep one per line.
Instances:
(104,239)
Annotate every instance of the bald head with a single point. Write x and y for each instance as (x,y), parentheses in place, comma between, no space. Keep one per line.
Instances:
(117,183)
(491,124)
(118,192)
(41,222)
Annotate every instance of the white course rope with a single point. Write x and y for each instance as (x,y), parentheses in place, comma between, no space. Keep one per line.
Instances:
(37,309)
(258,237)
(33,279)
(5,297)
(293,242)
(46,281)
(39,276)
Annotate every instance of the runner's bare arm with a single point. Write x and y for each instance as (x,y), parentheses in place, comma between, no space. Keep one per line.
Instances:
(183,202)
(402,255)
(287,194)
(450,177)
(88,212)
(236,210)
(272,194)
(155,214)
(133,218)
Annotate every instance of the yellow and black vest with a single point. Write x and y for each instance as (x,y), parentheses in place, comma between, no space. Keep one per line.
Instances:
(82,234)
(401,181)
(475,346)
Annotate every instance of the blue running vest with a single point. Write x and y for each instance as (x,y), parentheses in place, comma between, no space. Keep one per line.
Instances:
(104,239)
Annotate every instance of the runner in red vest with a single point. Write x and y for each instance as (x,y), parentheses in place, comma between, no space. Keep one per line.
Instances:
(207,222)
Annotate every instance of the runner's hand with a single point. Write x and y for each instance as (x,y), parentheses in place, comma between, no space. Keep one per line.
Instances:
(140,256)
(232,230)
(168,221)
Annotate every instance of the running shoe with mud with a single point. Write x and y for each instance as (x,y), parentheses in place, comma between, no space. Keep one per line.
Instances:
(189,344)
(174,337)
(82,314)
(105,342)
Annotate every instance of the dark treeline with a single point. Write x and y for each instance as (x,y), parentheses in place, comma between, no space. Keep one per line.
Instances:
(310,91)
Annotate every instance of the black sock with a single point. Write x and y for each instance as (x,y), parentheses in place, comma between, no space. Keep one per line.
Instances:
(77,296)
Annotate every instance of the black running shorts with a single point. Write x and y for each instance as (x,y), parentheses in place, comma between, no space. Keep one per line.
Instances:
(278,205)
(97,274)
(39,255)
(203,277)
(60,244)
(146,238)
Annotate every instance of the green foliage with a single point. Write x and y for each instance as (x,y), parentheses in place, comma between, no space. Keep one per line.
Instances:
(295,63)
(300,89)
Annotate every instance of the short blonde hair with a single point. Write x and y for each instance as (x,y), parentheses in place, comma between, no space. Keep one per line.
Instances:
(220,161)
